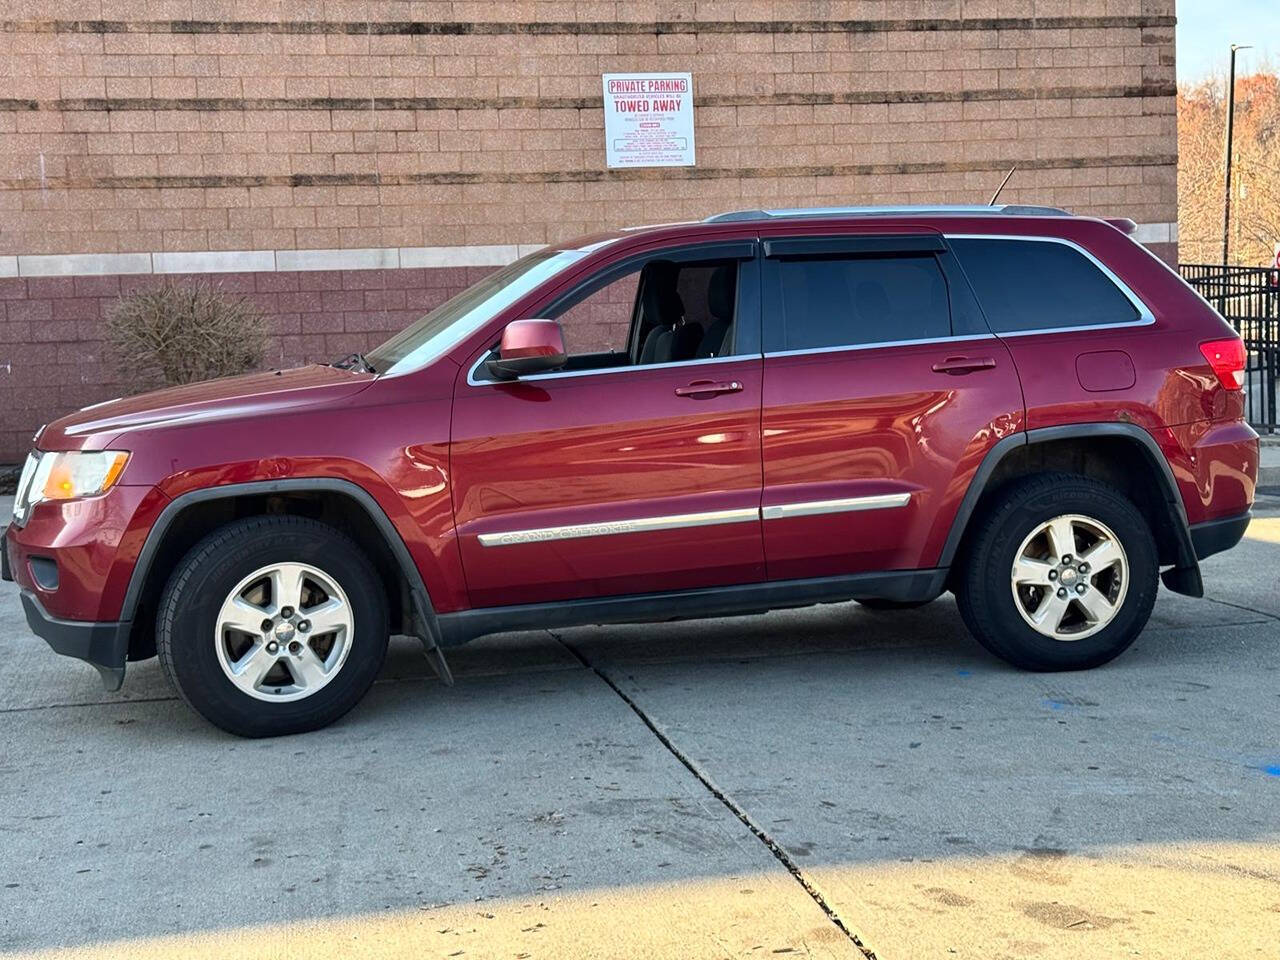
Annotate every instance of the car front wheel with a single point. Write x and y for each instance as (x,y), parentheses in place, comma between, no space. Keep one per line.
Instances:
(273,625)
(1061,574)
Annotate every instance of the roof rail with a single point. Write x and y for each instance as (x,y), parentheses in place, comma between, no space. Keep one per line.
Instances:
(1013,210)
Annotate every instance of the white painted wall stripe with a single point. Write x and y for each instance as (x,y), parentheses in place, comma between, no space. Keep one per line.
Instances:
(82,264)
(214,261)
(367,258)
(1156,233)
(478,256)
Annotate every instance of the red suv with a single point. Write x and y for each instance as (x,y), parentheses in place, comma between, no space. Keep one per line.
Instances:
(762,410)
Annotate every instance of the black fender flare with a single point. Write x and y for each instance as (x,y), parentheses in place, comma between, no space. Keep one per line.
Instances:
(155,537)
(1184,577)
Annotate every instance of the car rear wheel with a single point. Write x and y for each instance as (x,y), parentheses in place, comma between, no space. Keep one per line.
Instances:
(273,625)
(1061,574)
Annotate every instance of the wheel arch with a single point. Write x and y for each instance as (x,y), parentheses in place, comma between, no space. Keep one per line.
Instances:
(1123,454)
(342,503)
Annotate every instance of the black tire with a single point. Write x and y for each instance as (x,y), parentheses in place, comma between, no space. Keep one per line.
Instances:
(208,573)
(984,591)
(881,605)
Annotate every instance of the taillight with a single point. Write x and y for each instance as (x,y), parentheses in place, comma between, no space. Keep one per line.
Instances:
(1227,357)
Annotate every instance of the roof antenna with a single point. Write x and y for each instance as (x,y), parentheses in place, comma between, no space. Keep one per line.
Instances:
(996,196)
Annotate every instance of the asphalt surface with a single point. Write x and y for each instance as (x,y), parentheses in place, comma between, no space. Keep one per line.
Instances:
(825,782)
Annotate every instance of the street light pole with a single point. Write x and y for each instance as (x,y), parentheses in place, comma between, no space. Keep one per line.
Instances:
(1231,121)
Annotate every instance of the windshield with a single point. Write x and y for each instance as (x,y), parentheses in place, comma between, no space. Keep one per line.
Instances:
(460,316)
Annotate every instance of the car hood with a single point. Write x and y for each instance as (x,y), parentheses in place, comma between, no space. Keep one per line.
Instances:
(251,394)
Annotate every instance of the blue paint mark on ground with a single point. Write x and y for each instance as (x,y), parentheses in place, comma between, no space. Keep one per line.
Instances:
(964,673)
(1270,767)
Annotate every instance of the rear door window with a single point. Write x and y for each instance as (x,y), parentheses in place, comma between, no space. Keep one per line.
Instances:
(1037,285)
(841,301)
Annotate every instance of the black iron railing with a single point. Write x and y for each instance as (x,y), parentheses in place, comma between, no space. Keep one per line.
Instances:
(1249,298)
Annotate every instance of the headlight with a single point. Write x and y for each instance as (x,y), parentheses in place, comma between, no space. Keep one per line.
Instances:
(68,474)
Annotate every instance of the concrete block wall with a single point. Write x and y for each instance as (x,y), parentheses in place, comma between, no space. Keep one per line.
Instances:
(52,337)
(140,137)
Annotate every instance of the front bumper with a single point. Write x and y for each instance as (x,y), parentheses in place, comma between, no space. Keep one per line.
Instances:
(72,561)
(103,645)
(77,556)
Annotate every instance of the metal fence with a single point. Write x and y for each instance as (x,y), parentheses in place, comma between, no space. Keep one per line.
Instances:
(1249,298)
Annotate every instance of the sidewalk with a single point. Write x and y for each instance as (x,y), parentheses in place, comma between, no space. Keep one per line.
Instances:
(1269,462)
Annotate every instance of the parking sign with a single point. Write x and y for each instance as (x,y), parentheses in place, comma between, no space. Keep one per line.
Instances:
(648,119)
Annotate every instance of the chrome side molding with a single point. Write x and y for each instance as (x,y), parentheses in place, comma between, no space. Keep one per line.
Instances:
(844,505)
(679,521)
(613,527)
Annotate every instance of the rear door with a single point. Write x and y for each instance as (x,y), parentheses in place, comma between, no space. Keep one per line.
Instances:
(883,390)
(615,476)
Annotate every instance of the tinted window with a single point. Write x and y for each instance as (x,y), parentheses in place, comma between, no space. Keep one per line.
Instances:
(853,301)
(1038,285)
(460,316)
(680,311)
(600,321)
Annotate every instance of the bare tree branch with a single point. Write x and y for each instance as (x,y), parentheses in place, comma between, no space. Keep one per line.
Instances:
(1255,204)
(176,334)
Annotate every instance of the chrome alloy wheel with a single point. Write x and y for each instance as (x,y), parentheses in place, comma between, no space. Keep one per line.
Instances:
(1070,577)
(284,632)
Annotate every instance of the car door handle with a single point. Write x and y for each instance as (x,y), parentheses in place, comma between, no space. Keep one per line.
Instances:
(957,366)
(707,388)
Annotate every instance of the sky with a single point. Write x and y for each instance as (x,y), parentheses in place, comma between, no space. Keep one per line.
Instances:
(1207,28)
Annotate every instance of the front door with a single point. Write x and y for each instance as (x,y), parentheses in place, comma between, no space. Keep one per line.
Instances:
(637,467)
(883,391)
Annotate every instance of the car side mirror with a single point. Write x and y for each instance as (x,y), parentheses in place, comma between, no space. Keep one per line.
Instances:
(528,346)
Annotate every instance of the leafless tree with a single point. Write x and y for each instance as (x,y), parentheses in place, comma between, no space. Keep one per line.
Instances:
(183,333)
(1255,204)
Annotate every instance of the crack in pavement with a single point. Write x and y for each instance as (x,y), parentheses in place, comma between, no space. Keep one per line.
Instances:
(775,848)
(1241,606)
(87,703)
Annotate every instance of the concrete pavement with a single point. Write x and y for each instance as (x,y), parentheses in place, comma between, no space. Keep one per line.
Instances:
(828,781)
(1269,462)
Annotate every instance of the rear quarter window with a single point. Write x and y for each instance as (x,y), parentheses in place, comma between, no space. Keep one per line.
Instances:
(1029,285)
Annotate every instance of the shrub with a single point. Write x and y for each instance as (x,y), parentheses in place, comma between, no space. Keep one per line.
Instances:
(181,334)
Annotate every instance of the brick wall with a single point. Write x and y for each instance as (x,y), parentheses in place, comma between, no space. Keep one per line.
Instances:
(51,337)
(129,126)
